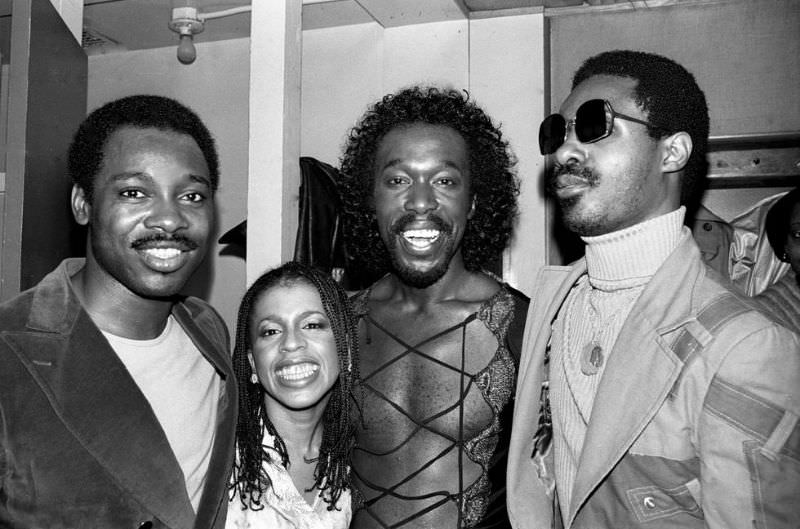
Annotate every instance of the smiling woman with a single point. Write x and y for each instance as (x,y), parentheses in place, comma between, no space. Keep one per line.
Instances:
(296,357)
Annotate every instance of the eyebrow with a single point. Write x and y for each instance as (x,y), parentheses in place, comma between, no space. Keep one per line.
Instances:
(306,314)
(119,177)
(397,161)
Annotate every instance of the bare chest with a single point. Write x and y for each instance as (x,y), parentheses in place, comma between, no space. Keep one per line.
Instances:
(425,373)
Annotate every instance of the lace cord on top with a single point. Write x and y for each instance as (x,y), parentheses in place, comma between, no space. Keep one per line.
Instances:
(495,381)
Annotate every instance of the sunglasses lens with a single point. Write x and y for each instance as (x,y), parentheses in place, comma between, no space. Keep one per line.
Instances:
(551,133)
(591,121)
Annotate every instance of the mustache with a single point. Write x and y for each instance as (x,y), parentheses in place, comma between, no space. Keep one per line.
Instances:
(571,169)
(400,224)
(182,242)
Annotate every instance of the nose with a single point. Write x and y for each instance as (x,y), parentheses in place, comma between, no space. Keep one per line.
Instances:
(292,340)
(166,215)
(572,151)
(421,198)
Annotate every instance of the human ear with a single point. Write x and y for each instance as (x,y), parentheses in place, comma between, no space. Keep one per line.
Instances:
(81,209)
(677,149)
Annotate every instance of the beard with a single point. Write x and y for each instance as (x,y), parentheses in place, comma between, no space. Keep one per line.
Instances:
(412,276)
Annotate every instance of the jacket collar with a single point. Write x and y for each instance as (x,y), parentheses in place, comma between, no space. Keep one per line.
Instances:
(638,378)
(91,391)
(55,305)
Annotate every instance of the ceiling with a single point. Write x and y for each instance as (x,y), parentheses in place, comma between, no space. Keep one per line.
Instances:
(121,25)
(108,23)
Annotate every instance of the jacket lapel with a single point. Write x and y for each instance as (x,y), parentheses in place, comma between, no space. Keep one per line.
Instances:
(552,286)
(93,394)
(531,504)
(641,371)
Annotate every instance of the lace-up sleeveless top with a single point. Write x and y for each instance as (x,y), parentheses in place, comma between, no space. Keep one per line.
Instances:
(434,450)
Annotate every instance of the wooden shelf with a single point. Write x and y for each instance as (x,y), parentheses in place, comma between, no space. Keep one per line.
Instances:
(754,160)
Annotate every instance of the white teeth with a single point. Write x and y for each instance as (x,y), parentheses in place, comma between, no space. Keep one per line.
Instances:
(297,371)
(163,253)
(421,237)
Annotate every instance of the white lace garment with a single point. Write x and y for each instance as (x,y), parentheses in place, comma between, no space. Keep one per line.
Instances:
(285,507)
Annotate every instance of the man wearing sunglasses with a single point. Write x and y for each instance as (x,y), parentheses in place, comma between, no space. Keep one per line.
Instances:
(649,395)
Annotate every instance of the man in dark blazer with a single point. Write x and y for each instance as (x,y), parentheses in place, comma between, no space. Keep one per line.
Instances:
(117,397)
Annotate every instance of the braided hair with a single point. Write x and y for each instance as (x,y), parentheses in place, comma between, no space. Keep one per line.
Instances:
(250,480)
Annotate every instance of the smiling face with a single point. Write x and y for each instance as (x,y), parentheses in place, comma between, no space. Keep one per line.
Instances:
(292,347)
(615,182)
(422,200)
(151,213)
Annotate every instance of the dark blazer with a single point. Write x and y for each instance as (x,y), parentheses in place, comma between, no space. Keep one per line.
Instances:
(80,446)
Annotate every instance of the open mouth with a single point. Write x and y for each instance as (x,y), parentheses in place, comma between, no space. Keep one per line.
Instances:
(297,371)
(164,259)
(163,253)
(421,239)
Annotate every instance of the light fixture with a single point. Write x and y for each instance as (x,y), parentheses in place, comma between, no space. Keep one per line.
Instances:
(188,21)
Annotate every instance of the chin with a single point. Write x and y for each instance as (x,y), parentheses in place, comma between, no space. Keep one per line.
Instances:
(580,222)
(160,291)
(420,279)
(301,404)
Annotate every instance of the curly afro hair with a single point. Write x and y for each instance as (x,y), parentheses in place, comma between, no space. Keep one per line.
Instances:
(85,156)
(673,102)
(494,185)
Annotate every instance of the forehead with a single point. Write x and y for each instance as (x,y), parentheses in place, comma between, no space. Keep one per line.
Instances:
(616,90)
(298,294)
(420,140)
(132,143)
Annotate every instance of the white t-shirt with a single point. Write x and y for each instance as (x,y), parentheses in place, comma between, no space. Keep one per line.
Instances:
(182,388)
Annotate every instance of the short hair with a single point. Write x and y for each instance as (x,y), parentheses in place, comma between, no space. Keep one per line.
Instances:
(332,472)
(85,156)
(777,221)
(494,186)
(672,99)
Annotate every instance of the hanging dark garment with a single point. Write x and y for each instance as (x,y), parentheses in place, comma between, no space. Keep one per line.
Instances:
(319,239)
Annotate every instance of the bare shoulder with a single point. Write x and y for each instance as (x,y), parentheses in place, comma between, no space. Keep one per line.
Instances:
(476,287)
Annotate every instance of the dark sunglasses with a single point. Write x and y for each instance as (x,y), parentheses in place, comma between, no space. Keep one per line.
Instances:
(594,120)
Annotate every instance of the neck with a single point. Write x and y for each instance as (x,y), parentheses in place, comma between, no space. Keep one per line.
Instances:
(118,310)
(634,253)
(301,430)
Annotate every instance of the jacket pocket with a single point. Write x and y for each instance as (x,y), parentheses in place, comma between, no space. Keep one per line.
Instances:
(775,480)
(653,503)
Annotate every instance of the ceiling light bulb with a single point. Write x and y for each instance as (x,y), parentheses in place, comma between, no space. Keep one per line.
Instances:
(186,51)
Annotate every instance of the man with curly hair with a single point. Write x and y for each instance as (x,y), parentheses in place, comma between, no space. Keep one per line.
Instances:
(429,203)
(650,394)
